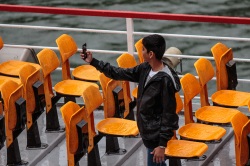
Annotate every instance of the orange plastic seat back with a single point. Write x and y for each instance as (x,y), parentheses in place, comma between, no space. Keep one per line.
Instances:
(49,62)
(11,92)
(139,47)
(1,43)
(126,60)
(29,75)
(92,99)
(104,82)
(179,107)
(205,71)
(108,85)
(72,114)
(222,54)
(67,47)
(222,75)
(191,88)
(179,103)
(241,126)
(109,105)
(217,51)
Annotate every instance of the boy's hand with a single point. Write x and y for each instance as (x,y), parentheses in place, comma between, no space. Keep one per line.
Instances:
(159,155)
(88,57)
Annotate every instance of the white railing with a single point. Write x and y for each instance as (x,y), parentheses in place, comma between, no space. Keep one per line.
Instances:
(130,33)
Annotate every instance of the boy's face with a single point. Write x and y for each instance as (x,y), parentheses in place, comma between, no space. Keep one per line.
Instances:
(146,55)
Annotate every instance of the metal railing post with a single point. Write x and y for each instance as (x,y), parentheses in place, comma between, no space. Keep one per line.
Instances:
(130,42)
(130,36)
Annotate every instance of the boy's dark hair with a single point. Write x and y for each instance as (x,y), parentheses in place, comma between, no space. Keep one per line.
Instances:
(155,43)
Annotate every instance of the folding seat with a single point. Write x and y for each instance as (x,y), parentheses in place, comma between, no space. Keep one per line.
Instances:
(69,89)
(29,77)
(207,113)
(108,126)
(68,47)
(78,134)
(183,149)
(114,105)
(241,126)
(3,79)
(218,51)
(12,67)
(14,112)
(191,130)
(222,55)
(128,61)
(32,86)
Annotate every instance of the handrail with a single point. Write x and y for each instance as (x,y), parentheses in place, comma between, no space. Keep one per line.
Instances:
(124,14)
(121,32)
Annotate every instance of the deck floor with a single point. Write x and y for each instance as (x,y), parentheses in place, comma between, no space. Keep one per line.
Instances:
(221,154)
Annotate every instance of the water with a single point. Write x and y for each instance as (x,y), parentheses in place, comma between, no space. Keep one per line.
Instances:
(117,42)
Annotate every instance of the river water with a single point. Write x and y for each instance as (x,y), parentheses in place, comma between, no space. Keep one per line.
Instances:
(238,8)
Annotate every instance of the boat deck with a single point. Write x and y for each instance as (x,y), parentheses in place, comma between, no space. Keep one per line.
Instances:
(218,154)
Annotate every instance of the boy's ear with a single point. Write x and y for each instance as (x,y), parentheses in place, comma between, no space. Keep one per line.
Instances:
(151,54)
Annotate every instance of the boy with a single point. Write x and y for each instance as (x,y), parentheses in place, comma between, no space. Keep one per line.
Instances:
(156,104)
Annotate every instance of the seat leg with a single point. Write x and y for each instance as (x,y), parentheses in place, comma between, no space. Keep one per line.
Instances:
(2,131)
(40,101)
(52,122)
(13,154)
(112,146)
(33,138)
(94,157)
(131,115)
(69,98)
(174,162)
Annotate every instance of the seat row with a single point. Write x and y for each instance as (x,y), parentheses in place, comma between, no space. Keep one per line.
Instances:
(112,90)
(40,94)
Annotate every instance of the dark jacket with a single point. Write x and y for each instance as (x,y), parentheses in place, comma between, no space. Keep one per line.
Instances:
(156,104)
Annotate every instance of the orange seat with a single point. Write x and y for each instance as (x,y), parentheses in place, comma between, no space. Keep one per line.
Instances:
(12,67)
(69,89)
(222,55)
(207,113)
(129,126)
(14,109)
(114,101)
(127,61)
(72,115)
(68,47)
(108,85)
(183,149)
(191,130)
(241,126)
(32,83)
(106,127)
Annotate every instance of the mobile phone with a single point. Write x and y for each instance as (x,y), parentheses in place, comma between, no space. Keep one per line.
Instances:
(84,49)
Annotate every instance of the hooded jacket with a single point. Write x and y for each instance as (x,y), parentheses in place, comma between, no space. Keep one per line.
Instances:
(156,104)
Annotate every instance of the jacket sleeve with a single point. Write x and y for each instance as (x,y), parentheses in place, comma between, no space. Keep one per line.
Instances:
(170,119)
(117,73)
